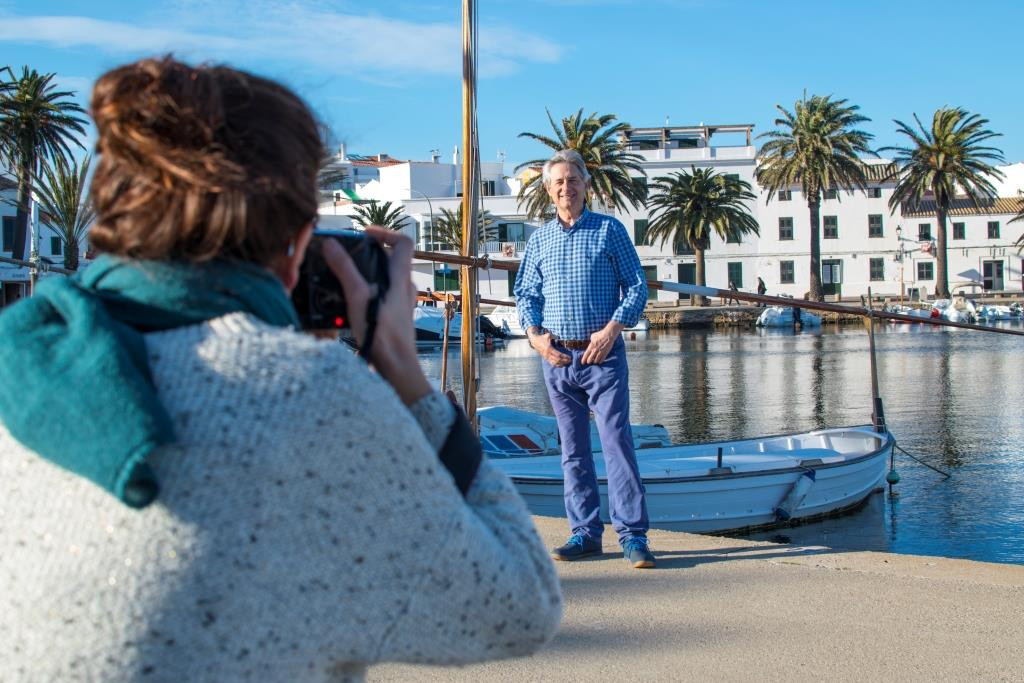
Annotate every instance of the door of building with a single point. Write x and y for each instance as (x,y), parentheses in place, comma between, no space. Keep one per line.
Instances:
(992,275)
(832,277)
(687,276)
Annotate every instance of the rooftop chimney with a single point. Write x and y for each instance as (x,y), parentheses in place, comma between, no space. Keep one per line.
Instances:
(435,155)
(341,151)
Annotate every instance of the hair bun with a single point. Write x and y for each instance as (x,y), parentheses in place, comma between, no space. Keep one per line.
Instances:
(166,119)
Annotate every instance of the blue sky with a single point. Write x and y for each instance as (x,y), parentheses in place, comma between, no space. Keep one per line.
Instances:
(386,76)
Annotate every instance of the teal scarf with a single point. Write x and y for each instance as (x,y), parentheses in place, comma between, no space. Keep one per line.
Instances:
(75,384)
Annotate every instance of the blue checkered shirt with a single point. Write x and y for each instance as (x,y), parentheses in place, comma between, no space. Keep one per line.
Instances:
(573,281)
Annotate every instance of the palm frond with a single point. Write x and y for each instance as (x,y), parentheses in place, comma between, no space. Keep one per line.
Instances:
(447,228)
(383,215)
(597,138)
(63,199)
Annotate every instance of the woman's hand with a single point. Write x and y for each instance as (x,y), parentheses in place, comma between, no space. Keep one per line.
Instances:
(393,352)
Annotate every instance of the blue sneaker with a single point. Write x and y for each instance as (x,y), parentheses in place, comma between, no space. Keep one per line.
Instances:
(636,552)
(578,546)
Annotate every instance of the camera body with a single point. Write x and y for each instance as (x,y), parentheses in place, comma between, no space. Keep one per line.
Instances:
(318,297)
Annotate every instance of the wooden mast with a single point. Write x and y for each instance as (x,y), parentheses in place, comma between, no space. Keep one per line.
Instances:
(470,192)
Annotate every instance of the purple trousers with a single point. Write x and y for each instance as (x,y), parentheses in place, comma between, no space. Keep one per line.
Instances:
(575,390)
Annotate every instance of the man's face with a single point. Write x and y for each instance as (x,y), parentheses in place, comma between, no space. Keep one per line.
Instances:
(566,189)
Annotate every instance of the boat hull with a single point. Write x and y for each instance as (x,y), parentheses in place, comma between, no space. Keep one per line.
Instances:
(686,493)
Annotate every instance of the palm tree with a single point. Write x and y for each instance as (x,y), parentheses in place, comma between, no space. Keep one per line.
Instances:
(447,228)
(938,163)
(687,207)
(37,123)
(63,196)
(815,147)
(379,214)
(598,141)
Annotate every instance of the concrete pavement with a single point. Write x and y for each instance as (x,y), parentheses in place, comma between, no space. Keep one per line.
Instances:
(727,610)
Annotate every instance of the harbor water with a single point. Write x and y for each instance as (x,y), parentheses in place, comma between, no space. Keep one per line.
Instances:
(953,398)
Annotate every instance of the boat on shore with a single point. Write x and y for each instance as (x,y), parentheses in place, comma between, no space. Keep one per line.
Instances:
(785,316)
(711,487)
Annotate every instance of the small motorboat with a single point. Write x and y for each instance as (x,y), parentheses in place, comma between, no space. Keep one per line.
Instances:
(959,309)
(784,316)
(911,312)
(429,324)
(708,487)
(992,312)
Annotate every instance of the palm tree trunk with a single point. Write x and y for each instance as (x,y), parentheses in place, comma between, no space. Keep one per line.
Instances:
(814,205)
(71,256)
(942,263)
(21,217)
(700,275)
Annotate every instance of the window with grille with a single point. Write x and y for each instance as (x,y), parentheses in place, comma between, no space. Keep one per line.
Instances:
(993,230)
(830,194)
(959,231)
(925,270)
(786,228)
(924,231)
(56,244)
(786,272)
(831,231)
(875,225)
(877,269)
(874,192)
(785,195)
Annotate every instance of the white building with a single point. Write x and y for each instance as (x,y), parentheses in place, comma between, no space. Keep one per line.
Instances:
(863,243)
(14,280)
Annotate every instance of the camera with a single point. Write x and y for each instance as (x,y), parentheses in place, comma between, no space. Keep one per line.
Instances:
(318,297)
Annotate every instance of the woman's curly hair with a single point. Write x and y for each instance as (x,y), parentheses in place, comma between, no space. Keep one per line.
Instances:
(199,163)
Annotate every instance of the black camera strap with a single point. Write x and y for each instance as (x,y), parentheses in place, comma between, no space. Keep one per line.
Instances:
(371,326)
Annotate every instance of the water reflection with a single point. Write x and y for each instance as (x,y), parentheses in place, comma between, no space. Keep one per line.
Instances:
(952,397)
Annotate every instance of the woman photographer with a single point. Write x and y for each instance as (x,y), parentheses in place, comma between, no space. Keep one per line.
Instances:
(190,489)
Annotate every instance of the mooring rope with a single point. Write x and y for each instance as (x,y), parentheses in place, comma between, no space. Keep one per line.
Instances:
(922,462)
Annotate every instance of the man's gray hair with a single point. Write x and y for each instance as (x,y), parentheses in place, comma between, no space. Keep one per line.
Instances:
(565,156)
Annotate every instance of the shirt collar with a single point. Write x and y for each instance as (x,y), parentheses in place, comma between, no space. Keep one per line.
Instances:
(579,221)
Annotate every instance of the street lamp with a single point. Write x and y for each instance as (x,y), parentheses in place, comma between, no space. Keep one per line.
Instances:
(899,257)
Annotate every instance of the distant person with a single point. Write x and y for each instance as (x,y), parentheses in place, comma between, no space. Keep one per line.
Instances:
(761,289)
(732,300)
(216,496)
(580,284)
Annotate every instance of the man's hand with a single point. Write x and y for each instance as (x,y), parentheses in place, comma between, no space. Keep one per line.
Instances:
(541,343)
(601,343)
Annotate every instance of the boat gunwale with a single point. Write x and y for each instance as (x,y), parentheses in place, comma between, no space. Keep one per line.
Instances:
(888,443)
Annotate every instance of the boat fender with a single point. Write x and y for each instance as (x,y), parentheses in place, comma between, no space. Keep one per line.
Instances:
(784,510)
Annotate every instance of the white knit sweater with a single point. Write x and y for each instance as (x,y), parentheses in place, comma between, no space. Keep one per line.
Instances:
(305,529)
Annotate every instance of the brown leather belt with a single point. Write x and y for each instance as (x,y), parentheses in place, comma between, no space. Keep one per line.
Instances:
(574,344)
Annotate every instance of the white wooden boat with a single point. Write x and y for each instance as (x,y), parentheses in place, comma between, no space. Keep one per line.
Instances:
(782,316)
(762,482)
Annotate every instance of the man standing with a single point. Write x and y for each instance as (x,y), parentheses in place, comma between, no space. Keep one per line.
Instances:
(579,285)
